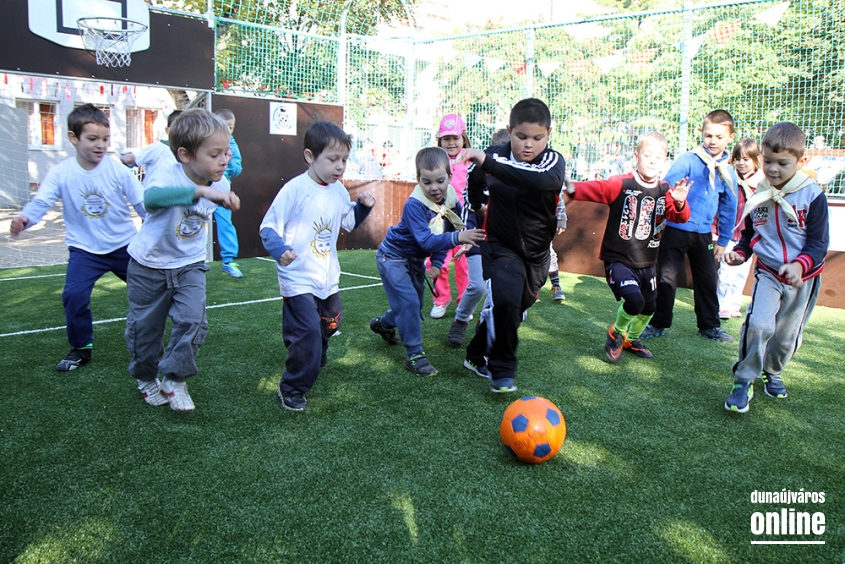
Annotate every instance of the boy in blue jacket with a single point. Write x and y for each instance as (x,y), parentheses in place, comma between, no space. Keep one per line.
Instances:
(712,183)
(227,235)
(430,225)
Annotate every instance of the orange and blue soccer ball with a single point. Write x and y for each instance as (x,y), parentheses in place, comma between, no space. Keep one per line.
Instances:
(532,429)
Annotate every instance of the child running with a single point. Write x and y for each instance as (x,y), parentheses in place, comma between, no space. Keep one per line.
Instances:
(452,138)
(785,223)
(430,225)
(166,276)
(96,192)
(524,178)
(639,204)
(746,161)
(300,232)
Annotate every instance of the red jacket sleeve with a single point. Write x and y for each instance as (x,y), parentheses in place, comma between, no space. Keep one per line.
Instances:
(598,191)
(673,214)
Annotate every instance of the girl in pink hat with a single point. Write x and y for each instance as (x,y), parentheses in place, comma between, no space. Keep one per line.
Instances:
(452,137)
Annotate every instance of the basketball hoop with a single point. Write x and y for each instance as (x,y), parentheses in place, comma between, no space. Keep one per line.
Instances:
(110,38)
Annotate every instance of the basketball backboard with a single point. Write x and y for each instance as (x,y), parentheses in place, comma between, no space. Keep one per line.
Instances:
(55,20)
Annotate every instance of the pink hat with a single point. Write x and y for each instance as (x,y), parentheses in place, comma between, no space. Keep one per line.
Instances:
(452,124)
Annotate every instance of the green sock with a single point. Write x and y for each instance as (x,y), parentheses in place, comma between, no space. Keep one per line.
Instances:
(623,320)
(638,325)
(555,279)
(88,346)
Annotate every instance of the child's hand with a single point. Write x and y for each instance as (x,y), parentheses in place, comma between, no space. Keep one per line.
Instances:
(732,258)
(128,159)
(475,155)
(230,201)
(560,230)
(472,236)
(434,272)
(718,253)
(681,189)
(18,224)
(287,257)
(793,272)
(463,250)
(366,199)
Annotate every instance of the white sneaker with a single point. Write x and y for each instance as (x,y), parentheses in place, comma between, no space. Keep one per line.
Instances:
(177,393)
(152,392)
(439,311)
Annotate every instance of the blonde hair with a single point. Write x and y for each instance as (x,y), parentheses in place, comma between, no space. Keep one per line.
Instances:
(655,136)
(192,127)
(463,136)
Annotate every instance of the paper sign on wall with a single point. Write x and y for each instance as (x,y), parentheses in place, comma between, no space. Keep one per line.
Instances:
(282,118)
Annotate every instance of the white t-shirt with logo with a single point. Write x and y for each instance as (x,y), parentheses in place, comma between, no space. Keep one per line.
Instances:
(308,216)
(95,204)
(155,156)
(174,237)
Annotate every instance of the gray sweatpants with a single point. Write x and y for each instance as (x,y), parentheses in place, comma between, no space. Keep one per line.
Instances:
(155,295)
(774,325)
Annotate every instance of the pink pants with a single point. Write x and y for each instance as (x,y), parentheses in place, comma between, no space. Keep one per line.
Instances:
(441,285)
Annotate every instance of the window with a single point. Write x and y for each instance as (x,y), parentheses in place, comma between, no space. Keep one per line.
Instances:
(41,122)
(139,127)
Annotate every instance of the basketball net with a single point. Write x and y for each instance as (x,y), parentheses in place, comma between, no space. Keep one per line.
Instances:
(110,38)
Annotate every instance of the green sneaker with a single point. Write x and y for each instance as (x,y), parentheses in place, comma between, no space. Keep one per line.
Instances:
(232,269)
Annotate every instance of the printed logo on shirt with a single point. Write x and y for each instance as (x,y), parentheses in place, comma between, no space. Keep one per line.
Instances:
(760,215)
(94,204)
(322,243)
(192,223)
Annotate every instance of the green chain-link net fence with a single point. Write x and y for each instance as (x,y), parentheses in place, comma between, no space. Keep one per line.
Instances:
(605,79)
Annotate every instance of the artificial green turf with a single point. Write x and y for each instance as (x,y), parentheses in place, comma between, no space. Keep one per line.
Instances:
(389,467)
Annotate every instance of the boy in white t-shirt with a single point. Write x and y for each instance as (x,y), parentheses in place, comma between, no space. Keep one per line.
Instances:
(152,157)
(300,232)
(96,193)
(166,276)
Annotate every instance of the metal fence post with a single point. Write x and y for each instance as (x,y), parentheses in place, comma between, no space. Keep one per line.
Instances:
(529,62)
(687,53)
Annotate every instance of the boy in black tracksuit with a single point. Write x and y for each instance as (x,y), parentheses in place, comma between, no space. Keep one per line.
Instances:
(524,178)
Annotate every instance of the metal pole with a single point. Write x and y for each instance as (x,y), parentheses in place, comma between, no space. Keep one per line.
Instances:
(529,62)
(686,74)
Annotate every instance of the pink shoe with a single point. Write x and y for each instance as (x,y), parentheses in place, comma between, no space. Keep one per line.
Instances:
(724,314)
(736,313)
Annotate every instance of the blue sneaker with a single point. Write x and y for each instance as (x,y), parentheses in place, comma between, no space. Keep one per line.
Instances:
(773,385)
(232,269)
(652,331)
(741,395)
(503,386)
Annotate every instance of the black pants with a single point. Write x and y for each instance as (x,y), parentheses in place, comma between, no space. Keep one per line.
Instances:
(674,246)
(513,285)
(307,324)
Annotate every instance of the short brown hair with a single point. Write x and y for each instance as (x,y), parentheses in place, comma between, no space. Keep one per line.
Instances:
(501,137)
(433,158)
(322,134)
(192,127)
(224,113)
(86,113)
(750,148)
(720,117)
(785,137)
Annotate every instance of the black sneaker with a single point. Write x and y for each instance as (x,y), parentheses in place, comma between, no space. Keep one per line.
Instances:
(292,401)
(457,332)
(716,334)
(479,367)
(613,344)
(419,365)
(389,335)
(74,359)
(637,348)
